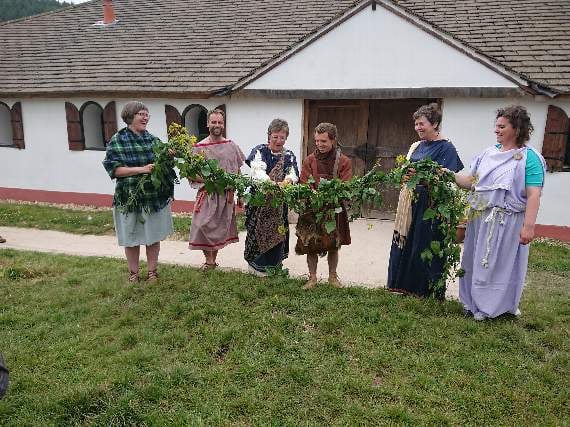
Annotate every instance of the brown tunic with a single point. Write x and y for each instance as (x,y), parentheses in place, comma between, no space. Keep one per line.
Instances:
(320,166)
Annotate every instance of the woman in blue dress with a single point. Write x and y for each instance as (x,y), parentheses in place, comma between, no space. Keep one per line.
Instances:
(267,240)
(407,272)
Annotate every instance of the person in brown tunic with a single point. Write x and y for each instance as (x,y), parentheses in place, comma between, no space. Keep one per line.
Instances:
(326,162)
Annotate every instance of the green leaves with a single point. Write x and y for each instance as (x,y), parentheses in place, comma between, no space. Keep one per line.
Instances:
(447,205)
(429,214)
(330,226)
(446,202)
(155,180)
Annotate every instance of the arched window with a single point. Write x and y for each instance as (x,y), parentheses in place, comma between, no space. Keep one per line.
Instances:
(92,125)
(11,126)
(195,118)
(5,125)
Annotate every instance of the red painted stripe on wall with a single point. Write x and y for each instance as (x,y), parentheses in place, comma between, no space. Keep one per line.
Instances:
(85,199)
(553,231)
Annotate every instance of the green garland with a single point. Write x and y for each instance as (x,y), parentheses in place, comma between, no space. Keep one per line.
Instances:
(447,204)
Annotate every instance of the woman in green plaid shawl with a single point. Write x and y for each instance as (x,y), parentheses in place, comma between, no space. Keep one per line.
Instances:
(129,156)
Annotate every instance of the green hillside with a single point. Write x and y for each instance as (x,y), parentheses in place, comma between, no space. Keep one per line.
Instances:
(14,9)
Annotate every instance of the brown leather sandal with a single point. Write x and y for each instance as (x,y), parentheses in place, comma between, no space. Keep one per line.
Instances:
(207,266)
(133,276)
(152,275)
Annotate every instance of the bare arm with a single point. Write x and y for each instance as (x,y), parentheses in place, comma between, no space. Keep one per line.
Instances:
(464,181)
(124,171)
(532,205)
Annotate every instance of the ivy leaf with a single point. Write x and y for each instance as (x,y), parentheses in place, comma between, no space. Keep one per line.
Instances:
(210,187)
(155,181)
(429,214)
(435,247)
(426,256)
(330,226)
(205,171)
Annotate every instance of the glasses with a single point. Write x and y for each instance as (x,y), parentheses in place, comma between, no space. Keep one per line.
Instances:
(143,114)
(278,138)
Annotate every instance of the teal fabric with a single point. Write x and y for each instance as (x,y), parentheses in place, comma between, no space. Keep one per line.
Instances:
(142,228)
(534,174)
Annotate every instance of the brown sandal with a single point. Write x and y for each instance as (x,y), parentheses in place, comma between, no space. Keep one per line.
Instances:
(206,266)
(133,276)
(152,275)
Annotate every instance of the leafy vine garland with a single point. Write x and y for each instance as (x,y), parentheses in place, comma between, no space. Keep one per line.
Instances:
(446,205)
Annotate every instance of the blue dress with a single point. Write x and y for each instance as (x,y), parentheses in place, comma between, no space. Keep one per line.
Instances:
(407,272)
(264,245)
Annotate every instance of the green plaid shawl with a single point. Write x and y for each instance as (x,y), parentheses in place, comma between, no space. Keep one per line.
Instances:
(126,148)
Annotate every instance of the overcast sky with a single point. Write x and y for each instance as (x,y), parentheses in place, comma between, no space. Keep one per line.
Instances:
(76,1)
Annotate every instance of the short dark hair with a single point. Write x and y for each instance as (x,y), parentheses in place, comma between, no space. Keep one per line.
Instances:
(328,128)
(431,112)
(519,119)
(278,125)
(216,111)
(130,109)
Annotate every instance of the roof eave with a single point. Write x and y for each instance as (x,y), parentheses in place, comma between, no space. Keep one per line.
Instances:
(110,93)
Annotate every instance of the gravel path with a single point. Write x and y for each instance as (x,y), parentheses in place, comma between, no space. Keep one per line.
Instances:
(363,263)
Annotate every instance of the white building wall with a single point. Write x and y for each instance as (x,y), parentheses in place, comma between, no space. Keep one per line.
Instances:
(47,163)
(469,123)
(378,49)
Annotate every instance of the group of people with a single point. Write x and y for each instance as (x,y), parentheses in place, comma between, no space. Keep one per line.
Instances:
(505,182)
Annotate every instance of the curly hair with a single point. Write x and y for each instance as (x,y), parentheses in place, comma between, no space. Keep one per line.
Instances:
(327,128)
(130,109)
(278,125)
(431,112)
(519,119)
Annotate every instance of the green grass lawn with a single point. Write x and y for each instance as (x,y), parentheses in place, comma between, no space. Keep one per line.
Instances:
(221,348)
(78,221)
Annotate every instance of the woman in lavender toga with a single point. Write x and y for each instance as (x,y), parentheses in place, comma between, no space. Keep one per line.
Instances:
(506,182)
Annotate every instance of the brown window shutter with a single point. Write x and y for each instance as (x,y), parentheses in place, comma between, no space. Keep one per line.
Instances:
(555,138)
(109,121)
(74,131)
(172,116)
(223,108)
(17,126)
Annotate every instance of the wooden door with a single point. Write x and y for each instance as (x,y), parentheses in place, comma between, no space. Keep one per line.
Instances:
(370,131)
(351,120)
(390,133)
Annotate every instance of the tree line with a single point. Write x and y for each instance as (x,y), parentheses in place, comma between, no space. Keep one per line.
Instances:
(14,9)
